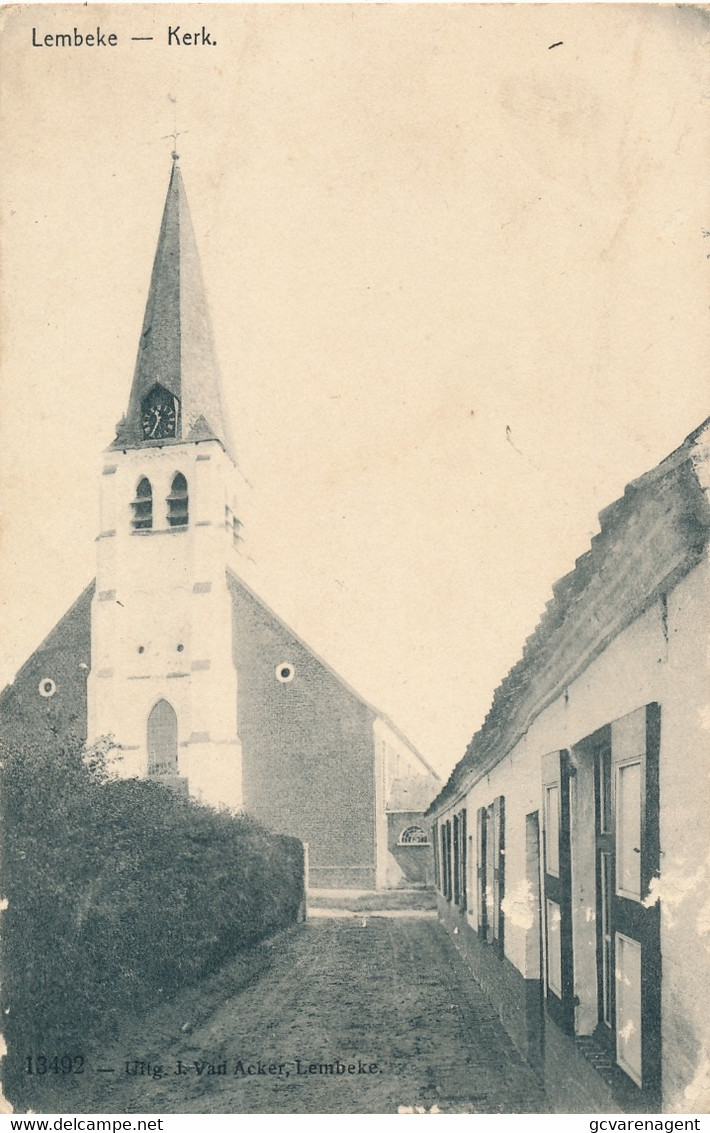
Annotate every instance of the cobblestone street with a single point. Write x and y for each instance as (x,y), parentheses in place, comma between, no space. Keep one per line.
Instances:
(389,994)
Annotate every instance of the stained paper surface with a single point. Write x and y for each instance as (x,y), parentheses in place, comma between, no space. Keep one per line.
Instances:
(456,259)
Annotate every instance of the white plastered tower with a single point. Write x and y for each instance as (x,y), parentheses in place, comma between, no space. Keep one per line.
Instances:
(163,682)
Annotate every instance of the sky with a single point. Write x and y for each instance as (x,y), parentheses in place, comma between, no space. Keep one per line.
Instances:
(456,258)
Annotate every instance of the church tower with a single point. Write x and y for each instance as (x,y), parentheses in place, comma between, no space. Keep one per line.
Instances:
(163,681)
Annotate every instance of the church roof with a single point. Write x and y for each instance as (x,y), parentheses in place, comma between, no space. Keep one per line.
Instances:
(412,794)
(176,349)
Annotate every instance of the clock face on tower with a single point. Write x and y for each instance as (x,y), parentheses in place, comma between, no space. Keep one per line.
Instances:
(158,415)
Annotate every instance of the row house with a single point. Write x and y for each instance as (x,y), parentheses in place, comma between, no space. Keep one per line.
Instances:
(571,841)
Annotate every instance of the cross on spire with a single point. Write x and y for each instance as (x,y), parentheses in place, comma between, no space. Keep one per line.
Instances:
(175,135)
(175,132)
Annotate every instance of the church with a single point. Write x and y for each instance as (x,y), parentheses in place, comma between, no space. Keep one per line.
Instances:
(171,654)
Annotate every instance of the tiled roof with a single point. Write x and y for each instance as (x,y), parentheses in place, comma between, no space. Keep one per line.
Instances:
(648,539)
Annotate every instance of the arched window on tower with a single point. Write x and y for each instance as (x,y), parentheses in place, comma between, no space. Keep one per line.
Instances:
(178,502)
(162,740)
(143,506)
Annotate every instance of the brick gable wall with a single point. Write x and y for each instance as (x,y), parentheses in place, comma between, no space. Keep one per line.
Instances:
(308,748)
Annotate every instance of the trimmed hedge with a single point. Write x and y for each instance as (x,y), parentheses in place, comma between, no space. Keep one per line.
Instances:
(120,892)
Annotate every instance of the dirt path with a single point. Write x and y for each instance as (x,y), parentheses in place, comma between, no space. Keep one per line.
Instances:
(389,1001)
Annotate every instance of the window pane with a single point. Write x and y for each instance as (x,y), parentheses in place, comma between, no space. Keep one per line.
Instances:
(552,830)
(413,836)
(604,789)
(162,740)
(628,830)
(554,948)
(628,1006)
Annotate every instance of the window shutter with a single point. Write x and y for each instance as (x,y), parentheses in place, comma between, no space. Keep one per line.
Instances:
(457,860)
(435,846)
(449,885)
(481,836)
(498,870)
(635,748)
(635,742)
(464,856)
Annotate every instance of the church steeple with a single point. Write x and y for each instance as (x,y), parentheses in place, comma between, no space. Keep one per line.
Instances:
(175,395)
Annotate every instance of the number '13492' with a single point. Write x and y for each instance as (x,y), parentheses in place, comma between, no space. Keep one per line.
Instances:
(64,1064)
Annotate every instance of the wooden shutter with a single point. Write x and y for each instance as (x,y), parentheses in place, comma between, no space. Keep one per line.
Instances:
(481,837)
(491,863)
(464,859)
(449,879)
(435,846)
(557,889)
(457,860)
(635,745)
(498,816)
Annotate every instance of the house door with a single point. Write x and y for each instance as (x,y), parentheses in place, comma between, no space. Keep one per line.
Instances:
(534,1002)
(557,889)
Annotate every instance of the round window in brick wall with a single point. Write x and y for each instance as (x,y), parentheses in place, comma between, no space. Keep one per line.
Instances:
(285,672)
(46,687)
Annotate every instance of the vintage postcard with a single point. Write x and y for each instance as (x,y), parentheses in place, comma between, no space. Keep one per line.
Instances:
(355,459)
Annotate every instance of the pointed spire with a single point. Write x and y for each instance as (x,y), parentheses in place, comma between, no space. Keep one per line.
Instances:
(176,351)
